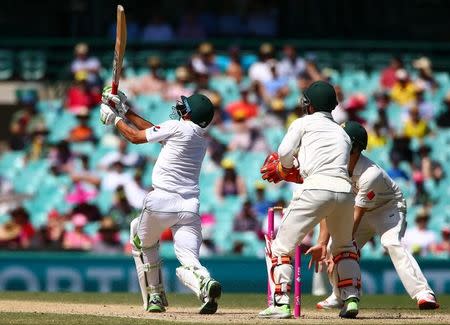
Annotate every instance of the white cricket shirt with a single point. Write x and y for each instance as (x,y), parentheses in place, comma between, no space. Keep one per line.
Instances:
(177,168)
(323,152)
(372,185)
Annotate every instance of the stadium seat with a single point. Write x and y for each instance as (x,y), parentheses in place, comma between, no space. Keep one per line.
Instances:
(10,163)
(6,64)
(378,61)
(226,87)
(32,65)
(350,61)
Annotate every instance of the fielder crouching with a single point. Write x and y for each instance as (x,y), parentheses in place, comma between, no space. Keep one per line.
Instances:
(325,196)
(174,200)
(380,209)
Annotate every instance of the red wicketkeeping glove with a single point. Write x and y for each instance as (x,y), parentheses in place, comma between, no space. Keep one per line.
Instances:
(273,171)
(290,174)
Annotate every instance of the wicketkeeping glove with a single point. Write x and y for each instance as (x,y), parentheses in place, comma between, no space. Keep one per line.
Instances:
(274,172)
(119,100)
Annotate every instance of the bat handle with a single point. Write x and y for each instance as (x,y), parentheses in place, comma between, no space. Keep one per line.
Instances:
(115,88)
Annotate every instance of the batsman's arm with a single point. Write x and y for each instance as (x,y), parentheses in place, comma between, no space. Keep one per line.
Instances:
(129,133)
(358,214)
(138,121)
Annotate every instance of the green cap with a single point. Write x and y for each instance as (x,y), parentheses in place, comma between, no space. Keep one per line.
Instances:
(200,108)
(322,96)
(357,133)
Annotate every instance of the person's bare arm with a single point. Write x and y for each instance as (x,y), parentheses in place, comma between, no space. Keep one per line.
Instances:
(138,121)
(131,134)
(357,217)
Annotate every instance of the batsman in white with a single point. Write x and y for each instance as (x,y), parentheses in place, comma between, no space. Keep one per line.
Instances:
(174,200)
(380,209)
(325,196)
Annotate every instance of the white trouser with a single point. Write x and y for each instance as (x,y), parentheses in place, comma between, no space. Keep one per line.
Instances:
(389,222)
(305,211)
(186,230)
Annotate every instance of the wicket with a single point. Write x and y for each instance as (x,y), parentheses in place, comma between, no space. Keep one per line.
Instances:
(297,264)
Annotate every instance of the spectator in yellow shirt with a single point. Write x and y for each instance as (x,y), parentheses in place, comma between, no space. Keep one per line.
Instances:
(404,91)
(376,137)
(415,126)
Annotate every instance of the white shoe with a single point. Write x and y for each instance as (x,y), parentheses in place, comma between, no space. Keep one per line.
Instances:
(331,302)
(427,300)
(277,312)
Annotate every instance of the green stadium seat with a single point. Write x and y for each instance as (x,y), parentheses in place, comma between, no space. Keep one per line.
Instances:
(28,179)
(175,59)
(378,61)
(104,201)
(32,65)
(226,87)
(273,136)
(166,249)
(10,163)
(354,81)
(60,130)
(351,61)
(6,65)
(323,59)
(247,60)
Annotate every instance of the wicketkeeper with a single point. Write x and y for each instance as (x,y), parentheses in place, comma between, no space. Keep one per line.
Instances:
(174,200)
(380,209)
(322,149)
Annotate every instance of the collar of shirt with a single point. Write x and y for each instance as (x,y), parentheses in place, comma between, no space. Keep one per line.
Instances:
(324,114)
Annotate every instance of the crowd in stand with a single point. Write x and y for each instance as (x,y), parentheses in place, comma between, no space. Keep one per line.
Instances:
(266,99)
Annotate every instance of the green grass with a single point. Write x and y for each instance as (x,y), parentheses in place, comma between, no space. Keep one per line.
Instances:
(393,303)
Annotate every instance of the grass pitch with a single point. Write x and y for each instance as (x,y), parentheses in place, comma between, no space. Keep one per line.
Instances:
(124,308)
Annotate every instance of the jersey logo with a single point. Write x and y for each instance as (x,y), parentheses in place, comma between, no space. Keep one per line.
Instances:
(371,195)
(156,128)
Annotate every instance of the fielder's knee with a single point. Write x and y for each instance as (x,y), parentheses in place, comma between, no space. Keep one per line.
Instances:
(348,279)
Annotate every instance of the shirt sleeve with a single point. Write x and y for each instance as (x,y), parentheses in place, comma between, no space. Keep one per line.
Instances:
(367,193)
(161,132)
(290,143)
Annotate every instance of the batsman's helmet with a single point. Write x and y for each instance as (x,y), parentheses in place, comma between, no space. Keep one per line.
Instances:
(320,95)
(357,133)
(198,106)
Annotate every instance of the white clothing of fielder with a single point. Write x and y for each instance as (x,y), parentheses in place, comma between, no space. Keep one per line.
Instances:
(386,217)
(174,204)
(323,153)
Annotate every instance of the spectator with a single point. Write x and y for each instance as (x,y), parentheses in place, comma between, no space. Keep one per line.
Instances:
(415,126)
(234,69)
(246,220)
(121,210)
(127,159)
(423,66)
(376,137)
(190,28)
(108,238)
(26,121)
(77,239)
(83,63)
(205,61)
(243,108)
(404,91)
(82,132)
(50,236)
(443,119)
(425,161)
(260,70)
(395,172)
(426,108)
(382,102)
(443,248)
(157,30)
(152,83)
(60,157)
(291,66)
(277,85)
(388,76)
(208,247)
(421,196)
(180,87)
(17,233)
(78,96)
(230,183)
(420,240)
(354,105)
(262,204)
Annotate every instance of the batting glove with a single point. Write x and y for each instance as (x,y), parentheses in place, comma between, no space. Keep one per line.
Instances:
(107,116)
(119,100)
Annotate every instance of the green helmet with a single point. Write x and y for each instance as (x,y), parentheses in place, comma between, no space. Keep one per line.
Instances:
(357,133)
(321,95)
(200,108)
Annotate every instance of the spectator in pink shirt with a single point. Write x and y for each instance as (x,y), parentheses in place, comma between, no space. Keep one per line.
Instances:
(77,239)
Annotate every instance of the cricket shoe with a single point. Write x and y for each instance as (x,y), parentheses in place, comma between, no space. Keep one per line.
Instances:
(350,309)
(212,292)
(427,300)
(331,302)
(279,312)
(156,305)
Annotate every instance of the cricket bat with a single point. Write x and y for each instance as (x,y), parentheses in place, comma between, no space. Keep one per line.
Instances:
(119,50)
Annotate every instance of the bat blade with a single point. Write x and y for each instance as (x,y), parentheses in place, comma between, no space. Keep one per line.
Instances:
(119,50)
